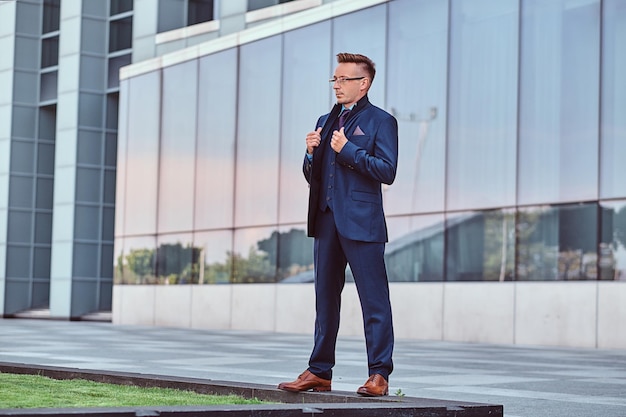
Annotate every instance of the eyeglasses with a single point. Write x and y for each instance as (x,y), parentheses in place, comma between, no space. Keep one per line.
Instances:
(342,80)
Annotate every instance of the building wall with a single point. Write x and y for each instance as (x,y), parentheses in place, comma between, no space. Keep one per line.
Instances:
(510,136)
(581,314)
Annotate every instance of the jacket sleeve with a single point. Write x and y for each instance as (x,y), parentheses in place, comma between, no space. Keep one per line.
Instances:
(306,168)
(381,164)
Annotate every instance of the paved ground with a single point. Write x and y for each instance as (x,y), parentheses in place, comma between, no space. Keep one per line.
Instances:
(528,381)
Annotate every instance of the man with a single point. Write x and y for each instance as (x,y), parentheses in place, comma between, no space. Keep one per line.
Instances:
(348,159)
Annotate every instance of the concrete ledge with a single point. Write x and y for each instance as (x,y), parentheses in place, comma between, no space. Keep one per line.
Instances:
(337,403)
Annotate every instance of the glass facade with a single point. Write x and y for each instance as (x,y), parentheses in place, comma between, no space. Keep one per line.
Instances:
(511,121)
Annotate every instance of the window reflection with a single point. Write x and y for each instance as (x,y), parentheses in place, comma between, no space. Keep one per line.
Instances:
(612,251)
(557,242)
(254,255)
(135,261)
(177,260)
(415,249)
(480,246)
(215,153)
(177,148)
(142,154)
(215,260)
(416,96)
(294,254)
(303,75)
(558,127)
(350,34)
(483,104)
(613,168)
(258,133)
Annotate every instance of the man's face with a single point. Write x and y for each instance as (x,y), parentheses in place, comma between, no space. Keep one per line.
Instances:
(349,92)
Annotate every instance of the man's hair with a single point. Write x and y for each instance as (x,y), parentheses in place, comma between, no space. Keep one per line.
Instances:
(363,61)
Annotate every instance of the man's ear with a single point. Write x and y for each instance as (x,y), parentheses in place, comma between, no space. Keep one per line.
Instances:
(365,84)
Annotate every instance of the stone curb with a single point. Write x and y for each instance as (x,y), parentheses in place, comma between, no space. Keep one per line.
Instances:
(335,403)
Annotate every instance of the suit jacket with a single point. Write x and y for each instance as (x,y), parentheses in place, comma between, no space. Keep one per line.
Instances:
(368,160)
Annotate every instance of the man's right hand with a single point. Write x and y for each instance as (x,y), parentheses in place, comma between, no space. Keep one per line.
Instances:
(313,140)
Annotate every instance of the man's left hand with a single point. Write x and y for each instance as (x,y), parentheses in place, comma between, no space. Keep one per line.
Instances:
(338,141)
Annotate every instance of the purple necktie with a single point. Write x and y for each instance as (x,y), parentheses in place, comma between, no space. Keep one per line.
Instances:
(342,118)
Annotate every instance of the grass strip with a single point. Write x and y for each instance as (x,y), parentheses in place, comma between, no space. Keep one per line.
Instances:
(34,391)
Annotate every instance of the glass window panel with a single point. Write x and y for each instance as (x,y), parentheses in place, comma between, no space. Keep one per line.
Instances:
(109,186)
(20,290)
(175,260)
(121,6)
(93,35)
(112,111)
(29,60)
(115,63)
(215,260)
(19,227)
(92,72)
(480,246)
(45,159)
(136,261)
(51,15)
(41,263)
(557,242)
(301,70)
(178,146)
(482,114)
(416,90)
(24,87)
(90,110)
(171,15)
(48,87)
(94,8)
(47,122)
(86,222)
(108,224)
(215,170)
(612,260)
(21,191)
(107,263)
(23,121)
(50,52)
(89,147)
(351,35)
(294,258)
(110,150)
(258,133)
(558,127)
(260,4)
(199,11)
(88,186)
(41,293)
(85,260)
(254,255)
(27,17)
(45,192)
(120,34)
(43,228)
(139,173)
(612,167)
(18,262)
(415,251)
(22,157)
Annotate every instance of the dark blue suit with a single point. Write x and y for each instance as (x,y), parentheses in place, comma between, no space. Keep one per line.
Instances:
(347,220)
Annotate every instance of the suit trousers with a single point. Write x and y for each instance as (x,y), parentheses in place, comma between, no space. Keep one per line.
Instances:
(366,259)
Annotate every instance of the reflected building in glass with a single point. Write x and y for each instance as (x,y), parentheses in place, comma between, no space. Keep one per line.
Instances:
(507,219)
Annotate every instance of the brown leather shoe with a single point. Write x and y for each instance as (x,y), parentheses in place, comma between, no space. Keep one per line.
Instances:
(306,381)
(375,386)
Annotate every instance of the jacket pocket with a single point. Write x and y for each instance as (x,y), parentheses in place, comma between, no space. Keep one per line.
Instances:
(365,196)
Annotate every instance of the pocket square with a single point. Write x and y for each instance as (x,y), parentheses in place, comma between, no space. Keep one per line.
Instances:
(358,131)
